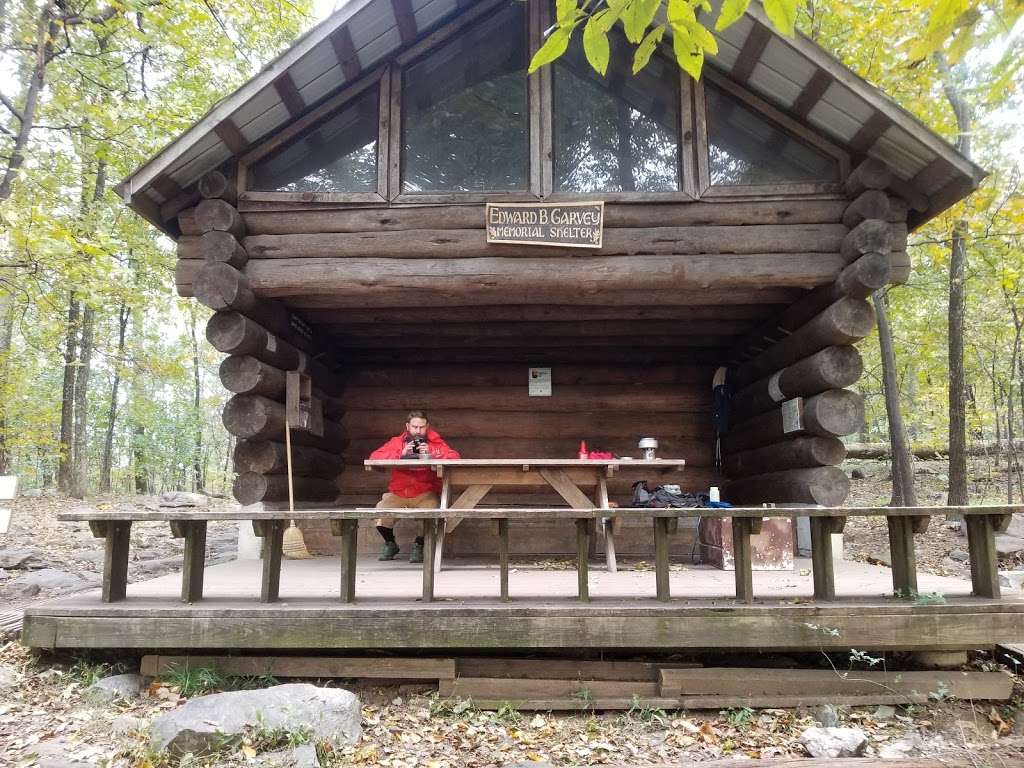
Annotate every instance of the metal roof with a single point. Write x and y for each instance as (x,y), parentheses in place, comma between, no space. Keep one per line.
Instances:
(794,74)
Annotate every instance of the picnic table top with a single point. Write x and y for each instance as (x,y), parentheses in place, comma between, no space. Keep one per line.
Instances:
(528,463)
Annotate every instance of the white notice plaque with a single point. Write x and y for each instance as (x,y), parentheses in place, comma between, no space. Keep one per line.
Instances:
(540,382)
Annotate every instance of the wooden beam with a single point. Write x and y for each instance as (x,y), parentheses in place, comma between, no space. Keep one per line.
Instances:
(750,53)
(811,94)
(345,52)
(167,187)
(232,137)
(272,533)
(902,557)
(194,565)
(870,132)
(290,96)
(661,559)
(405,20)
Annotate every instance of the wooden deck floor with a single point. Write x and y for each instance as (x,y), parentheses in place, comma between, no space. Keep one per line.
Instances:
(543,612)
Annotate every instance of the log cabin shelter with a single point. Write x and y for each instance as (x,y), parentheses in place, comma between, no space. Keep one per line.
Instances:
(746,218)
(333,212)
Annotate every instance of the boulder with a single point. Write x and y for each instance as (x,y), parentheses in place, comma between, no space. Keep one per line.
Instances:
(827,715)
(21,559)
(302,756)
(1007,545)
(201,724)
(883,712)
(21,590)
(183,499)
(1012,579)
(899,749)
(834,742)
(8,676)
(959,555)
(54,579)
(115,687)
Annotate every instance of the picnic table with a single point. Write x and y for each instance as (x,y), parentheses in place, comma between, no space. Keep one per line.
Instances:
(567,477)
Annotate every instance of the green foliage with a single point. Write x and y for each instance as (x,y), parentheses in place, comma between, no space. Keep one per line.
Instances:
(691,39)
(191,681)
(737,718)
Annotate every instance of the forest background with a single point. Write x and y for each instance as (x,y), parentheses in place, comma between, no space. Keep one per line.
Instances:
(107,384)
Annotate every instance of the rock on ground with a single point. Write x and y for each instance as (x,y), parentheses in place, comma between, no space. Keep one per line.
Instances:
(52,578)
(1007,545)
(326,714)
(8,677)
(183,499)
(302,756)
(15,559)
(827,715)
(115,687)
(834,742)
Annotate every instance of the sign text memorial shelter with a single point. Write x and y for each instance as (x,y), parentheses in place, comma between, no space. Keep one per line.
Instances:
(577,225)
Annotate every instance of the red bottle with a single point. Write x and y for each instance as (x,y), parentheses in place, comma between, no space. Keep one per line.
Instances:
(584,453)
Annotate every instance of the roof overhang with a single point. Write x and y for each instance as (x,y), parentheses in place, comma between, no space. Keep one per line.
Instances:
(795,74)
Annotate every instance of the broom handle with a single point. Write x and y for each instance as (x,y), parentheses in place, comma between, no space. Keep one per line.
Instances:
(288,456)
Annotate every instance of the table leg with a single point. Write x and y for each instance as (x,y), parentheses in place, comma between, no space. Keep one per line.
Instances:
(194,534)
(348,531)
(822,565)
(272,532)
(981,549)
(608,523)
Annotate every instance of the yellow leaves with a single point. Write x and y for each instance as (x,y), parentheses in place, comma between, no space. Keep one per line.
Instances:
(595,43)
(553,47)
(637,16)
(782,14)
(647,47)
(731,12)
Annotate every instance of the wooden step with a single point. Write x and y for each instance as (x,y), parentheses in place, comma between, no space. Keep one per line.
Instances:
(521,690)
(308,666)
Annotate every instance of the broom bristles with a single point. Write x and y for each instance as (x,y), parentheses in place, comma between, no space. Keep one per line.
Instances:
(293,546)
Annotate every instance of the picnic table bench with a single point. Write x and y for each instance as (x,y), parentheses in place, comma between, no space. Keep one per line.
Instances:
(982,524)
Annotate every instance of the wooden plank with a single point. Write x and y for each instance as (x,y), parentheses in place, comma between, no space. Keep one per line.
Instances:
(608,525)
(958,625)
(564,482)
(503,556)
(529,688)
(345,53)
(579,704)
(194,564)
(661,559)
(870,132)
(746,681)
(405,20)
(982,552)
(563,669)
(228,132)
(376,667)
(582,555)
(289,94)
(821,558)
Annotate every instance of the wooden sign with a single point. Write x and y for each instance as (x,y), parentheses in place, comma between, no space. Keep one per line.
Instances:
(576,225)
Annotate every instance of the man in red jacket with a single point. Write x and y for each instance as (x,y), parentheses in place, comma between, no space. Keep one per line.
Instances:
(416,487)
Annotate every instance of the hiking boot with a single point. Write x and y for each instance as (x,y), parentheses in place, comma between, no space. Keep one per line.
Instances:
(389,550)
(416,556)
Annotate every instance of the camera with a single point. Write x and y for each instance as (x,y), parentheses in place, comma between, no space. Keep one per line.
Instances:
(417,441)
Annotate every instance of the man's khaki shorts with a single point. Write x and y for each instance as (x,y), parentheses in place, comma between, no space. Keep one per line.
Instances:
(428,500)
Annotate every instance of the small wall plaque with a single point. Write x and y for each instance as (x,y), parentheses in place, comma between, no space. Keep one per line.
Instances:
(575,225)
(540,382)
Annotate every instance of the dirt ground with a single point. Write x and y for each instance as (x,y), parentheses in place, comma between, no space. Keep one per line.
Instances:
(48,718)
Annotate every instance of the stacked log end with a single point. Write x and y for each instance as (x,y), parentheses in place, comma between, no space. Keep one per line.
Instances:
(791,403)
(261,342)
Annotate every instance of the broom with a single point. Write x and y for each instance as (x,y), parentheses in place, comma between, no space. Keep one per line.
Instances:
(292,546)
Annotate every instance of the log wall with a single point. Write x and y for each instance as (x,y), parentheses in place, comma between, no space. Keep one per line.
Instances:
(790,377)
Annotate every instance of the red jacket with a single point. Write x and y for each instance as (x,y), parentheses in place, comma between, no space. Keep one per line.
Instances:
(409,483)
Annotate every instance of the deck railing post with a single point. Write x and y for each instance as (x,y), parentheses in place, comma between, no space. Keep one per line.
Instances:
(823,568)
(503,557)
(902,556)
(194,564)
(661,559)
(742,529)
(430,532)
(582,558)
(981,547)
(272,532)
(117,534)
(348,531)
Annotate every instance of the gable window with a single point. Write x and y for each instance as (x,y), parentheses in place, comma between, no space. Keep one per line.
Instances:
(619,133)
(745,148)
(465,111)
(337,155)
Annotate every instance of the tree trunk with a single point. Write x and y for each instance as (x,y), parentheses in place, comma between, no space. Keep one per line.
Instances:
(139,469)
(80,451)
(957,302)
(108,442)
(903,494)
(6,331)
(67,403)
(198,476)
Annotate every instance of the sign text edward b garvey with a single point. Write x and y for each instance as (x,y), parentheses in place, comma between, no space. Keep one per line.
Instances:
(576,225)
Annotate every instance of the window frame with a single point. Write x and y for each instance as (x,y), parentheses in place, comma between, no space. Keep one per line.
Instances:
(424,48)
(779,120)
(309,122)
(693,155)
